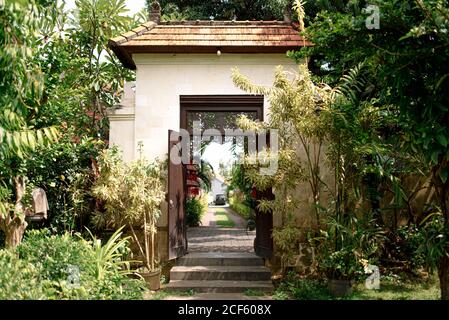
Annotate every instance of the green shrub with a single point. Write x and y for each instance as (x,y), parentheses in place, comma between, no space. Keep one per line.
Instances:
(19,279)
(59,259)
(195,210)
(239,207)
(303,289)
(403,246)
(68,182)
(51,254)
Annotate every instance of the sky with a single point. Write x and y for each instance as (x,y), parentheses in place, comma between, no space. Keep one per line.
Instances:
(133,6)
(216,153)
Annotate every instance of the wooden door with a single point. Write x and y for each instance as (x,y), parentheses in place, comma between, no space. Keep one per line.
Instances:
(263,244)
(177,237)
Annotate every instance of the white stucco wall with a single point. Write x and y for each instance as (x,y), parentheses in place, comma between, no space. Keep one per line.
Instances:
(163,78)
(121,123)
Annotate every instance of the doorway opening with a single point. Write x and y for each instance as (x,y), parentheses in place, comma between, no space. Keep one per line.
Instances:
(230,222)
(222,226)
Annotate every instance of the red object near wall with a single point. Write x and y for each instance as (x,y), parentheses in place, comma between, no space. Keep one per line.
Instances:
(193,191)
(254,193)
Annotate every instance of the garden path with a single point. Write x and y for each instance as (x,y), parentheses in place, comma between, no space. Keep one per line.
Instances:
(208,237)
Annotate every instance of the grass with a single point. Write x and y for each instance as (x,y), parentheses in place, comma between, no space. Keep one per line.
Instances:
(253,293)
(162,294)
(306,289)
(426,290)
(223,220)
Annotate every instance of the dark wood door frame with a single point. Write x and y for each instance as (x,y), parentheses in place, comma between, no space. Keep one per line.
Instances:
(219,103)
(177,236)
(263,244)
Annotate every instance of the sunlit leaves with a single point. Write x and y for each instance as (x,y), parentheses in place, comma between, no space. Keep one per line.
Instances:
(295,103)
(222,10)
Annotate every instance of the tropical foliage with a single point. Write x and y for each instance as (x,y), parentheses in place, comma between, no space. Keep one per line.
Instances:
(132,195)
(49,266)
(405,77)
(196,208)
(21,91)
(222,10)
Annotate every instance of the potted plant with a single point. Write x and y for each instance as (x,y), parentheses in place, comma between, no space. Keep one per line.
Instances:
(132,195)
(344,248)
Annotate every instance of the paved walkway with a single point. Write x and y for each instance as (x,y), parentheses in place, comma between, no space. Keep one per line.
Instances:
(210,238)
(219,296)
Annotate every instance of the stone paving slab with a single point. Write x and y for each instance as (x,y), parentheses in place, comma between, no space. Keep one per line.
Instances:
(219,296)
(210,238)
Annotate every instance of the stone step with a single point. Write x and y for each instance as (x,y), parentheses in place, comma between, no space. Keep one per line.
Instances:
(220,259)
(243,273)
(219,286)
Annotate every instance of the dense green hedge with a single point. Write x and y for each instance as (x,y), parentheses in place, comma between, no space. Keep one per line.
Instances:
(42,268)
(239,207)
(195,210)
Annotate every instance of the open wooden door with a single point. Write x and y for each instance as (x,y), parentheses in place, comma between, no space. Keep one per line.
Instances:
(177,236)
(263,244)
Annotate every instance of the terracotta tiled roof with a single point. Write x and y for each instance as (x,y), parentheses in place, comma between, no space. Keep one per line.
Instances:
(207,37)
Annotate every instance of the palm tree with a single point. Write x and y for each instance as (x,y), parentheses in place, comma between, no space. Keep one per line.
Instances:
(206,174)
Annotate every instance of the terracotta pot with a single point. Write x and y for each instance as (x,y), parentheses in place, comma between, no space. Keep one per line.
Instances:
(153,279)
(340,288)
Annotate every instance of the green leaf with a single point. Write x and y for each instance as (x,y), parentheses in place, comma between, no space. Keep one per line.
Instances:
(444,174)
(434,156)
(441,80)
(442,140)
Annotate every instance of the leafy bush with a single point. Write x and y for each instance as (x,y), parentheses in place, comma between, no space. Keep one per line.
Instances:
(51,254)
(347,244)
(69,159)
(302,289)
(287,241)
(133,193)
(239,207)
(66,267)
(434,239)
(195,210)
(403,249)
(18,278)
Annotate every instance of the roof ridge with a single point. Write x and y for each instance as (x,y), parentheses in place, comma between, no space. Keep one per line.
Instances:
(266,36)
(144,27)
(224,22)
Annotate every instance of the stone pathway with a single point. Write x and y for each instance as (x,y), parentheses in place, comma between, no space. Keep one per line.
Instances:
(219,296)
(210,238)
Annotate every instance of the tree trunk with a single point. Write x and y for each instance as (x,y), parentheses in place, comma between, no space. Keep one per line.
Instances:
(443,274)
(14,223)
(442,193)
(14,232)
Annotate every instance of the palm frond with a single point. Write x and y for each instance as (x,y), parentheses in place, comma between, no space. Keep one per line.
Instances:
(351,84)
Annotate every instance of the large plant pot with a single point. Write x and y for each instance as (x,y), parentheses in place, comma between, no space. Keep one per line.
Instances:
(153,279)
(340,288)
